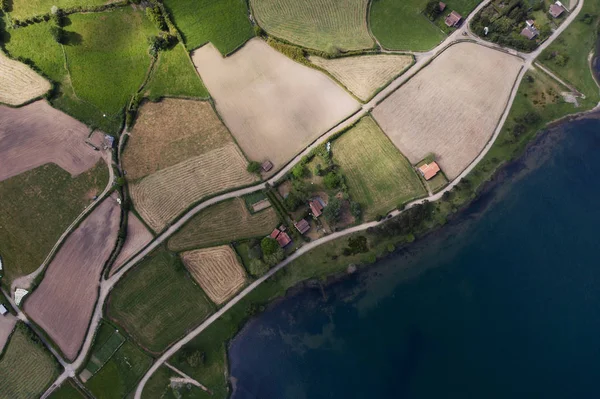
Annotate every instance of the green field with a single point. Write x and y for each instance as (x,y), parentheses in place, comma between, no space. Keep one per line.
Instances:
(104,352)
(35,209)
(22,9)
(379,177)
(67,390)
(224,23)
(26,368)
(174,75)
(224,222)
(158,386)
(158,301)
(326,25)
(575,44)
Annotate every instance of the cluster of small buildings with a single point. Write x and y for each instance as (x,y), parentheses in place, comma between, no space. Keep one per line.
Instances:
(281,236)
(530,31)
(302,226)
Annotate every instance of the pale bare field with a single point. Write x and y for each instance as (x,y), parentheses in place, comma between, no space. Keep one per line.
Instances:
(7,324)
(363,75)
(452,107)
(137,238)
(37,134)
(162,196)
(19,83)
(273,106)
(171,131)
(217,270)
(63,303)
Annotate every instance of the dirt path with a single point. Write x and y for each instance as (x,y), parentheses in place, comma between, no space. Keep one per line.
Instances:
(186,379)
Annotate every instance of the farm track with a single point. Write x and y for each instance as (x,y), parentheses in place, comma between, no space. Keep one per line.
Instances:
(422,61)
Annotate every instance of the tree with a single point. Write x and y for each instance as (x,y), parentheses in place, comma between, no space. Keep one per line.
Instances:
(275,257)
(432,9)
(155,15)
(333,210)
(255,252)
(58,34)
(269,246)
(253,167)
(358,244)
(355,209)
(332,180)
(292,201)
(299,171)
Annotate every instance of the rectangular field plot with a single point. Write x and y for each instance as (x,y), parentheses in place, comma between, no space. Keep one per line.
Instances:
(217,270)
(273,106)
(377,174)
(103,354)
(158,302)
(226,221)
(451,108)
(26,368)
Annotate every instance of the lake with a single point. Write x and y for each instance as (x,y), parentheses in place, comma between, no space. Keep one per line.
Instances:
(503,302)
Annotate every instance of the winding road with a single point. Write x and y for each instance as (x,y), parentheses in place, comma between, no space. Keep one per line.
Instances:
(421,61)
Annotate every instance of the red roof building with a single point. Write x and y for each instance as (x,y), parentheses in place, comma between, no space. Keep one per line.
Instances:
(267,166)
(453,19)
(428,171)
(302,226)
(316,208)
(556,10)
(442,6)
(275,233)
(283,239)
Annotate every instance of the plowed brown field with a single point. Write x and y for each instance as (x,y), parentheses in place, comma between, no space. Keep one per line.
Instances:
(137,238)
(452,107)
(63,303)
(19,83)
(217,270)
(37,134)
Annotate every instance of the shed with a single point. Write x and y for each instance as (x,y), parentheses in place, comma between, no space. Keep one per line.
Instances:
(428,171)
(274,234)
(315,207)
(453,19)
(3,310)
(530,22)
(302,226)
(556,9)
(283,239)
(267,166)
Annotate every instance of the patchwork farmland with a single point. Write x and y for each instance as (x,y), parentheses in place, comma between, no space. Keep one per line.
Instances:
(467,87)
(217,270)
(273,106)
(226,221)
(158,302)
(137,238)
(19,83)
(326,25)
(63,303)
(364,75)
(37,134)
(177,167)
(377,174)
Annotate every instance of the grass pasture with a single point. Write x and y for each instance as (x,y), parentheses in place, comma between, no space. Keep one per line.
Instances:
(101,355)
(158,302)
(217,270)
(226,221)
(364,75)
(326,25)
(19,83)
(67,390)
(224,23)
(379,177)
(21,9)
(174,75)
(451,108)
(26,368)
(273,106)
(35,209)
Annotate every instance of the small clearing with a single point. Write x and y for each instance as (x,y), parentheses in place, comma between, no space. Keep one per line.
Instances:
(63,303)
(137,238)
(19,83)
(326,25)
(217,270)
(273,106)
(226,221)
(37,134)
(452,107)
(379,177)
(364,75)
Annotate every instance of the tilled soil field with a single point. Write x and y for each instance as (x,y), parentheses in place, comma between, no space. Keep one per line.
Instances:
(137,238)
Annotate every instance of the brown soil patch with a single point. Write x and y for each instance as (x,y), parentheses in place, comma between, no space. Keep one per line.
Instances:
(217,270)
(7,324)
(64,302)
(137,238)
(169,132)
(364,75)
(37,134)
(19,83)
(273,106)
(450,108)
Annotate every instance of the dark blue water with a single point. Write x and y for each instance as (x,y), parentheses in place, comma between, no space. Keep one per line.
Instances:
(502,303)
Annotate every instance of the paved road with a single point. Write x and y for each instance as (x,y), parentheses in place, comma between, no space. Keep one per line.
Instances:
(422,59)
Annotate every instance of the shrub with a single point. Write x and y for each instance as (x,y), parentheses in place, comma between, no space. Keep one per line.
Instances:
(358,244)
(253,167)
(258,31)
(255,252)
(156,17)
(292,202)
(333,210)
(275,257)
(257,267)
(299,171)
(58,34)
(269,246)
(332,180)
(355,210)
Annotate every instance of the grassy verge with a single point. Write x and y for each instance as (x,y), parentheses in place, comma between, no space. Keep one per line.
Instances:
(224,23)
(68,390)
(35,209)
(158,301)
(159,386)
(22,9)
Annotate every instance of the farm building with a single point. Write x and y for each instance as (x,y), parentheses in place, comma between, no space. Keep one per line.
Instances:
(275,233)
(302,226)
(428,171)
(267,166)
(316,206)
(556,9)
(281,236)
(453,19)
(3,310)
